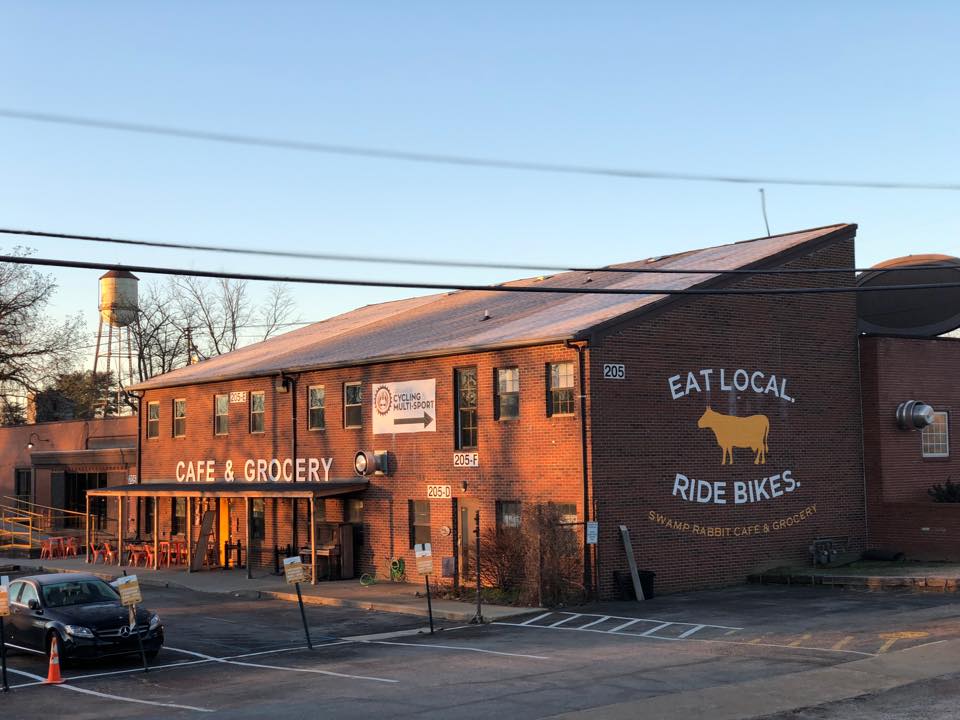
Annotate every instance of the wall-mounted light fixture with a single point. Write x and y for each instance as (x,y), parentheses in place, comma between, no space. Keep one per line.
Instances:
(371,462)
(34,439)
(914,415)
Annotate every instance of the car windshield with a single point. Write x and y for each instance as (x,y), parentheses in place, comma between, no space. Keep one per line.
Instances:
(77,592)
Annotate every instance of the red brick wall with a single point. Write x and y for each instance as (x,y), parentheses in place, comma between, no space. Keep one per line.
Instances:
(901,515)
(531,459)
(643,437)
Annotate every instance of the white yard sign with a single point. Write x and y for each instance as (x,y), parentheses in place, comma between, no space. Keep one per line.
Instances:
(405,407)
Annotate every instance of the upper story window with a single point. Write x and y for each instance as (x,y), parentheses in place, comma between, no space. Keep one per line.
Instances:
(935,437)
(560,389)
(506,395)
(221,414)
(153,419)
(352,405)
(316,401)
(465,380)
(179,418)
(257,410)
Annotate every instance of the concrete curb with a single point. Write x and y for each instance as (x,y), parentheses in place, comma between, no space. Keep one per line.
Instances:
(790,692)
(933,583)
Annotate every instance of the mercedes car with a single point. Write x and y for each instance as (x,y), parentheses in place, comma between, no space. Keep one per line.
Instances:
(85,615)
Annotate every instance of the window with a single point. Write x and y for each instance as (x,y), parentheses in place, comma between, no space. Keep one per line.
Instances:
(935,438)
(179,418)
(352,399)
(178,516)
(256,412)
(508,514)
(75,486)
(568,512)
(29,593)
(419,522)
(221,414)
(316,400)
(506,393)
(23,486)
(465,380)
(560,389)
(257,525)
(153,420)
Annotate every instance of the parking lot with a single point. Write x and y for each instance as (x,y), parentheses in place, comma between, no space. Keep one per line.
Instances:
(243,658)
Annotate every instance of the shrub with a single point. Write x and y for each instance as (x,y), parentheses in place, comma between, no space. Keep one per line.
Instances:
(948,492)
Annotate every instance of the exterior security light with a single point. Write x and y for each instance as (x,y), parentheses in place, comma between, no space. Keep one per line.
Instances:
(367,462)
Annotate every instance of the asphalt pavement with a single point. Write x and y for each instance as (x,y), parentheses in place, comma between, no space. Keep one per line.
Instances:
(246,658)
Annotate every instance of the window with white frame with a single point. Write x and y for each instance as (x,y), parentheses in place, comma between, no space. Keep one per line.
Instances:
(179,418)
(935,438)
(257,411)
(221,414)
(316,400)
(153,419)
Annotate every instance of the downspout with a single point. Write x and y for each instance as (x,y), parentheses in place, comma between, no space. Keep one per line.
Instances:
(293,453)
(139,397)
(587,570)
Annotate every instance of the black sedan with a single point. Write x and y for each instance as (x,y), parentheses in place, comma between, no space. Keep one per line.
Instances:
(83,612)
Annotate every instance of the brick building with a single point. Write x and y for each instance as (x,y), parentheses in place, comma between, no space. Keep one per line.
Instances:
(902,465)
(723,431)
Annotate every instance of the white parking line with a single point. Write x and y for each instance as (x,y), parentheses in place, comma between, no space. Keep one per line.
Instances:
(534,619)
(656,629)
(603,618)
(315,671)
(691,631)
(85,691)
(618,628)
(565,620)
(459,647)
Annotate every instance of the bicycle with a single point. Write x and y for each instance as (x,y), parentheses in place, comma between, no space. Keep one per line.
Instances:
(397,574)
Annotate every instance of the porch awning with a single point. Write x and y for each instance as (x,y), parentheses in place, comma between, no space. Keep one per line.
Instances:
(234,489)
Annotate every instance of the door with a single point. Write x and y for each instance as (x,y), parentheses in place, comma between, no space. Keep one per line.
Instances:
(29,625)
(468,538)
(223,529)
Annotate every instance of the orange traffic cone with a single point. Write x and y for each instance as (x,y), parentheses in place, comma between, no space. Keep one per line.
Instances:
(53,674)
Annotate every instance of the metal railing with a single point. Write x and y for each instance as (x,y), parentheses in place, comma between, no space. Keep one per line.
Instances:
(24,524)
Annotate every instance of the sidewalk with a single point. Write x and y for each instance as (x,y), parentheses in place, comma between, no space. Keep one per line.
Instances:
(939,577)
(793,691)
(383,596)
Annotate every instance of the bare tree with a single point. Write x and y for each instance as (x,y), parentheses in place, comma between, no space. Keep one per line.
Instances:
(190,318)
(278,310)
(33,348)
(159,333)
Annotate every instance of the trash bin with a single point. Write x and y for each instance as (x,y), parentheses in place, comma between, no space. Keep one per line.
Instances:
(624,584)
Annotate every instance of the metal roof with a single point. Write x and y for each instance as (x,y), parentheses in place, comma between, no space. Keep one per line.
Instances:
(448,323)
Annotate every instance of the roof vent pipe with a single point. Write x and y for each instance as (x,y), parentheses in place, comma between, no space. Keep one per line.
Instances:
(486,315)
(914,415)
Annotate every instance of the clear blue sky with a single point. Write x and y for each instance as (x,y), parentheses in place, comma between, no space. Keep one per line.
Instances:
(835,90)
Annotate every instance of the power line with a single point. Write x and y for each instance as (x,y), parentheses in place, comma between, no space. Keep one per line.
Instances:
(388,260)
(533,289)
(461,160)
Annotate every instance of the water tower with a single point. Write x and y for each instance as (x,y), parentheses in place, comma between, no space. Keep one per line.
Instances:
(118,309)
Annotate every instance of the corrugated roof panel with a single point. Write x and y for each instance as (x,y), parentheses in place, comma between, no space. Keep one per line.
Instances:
(454,321)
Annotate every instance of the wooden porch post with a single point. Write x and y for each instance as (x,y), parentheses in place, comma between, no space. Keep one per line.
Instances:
(156,533)
(313,541)
(86,550)
(189,536)
(119,529)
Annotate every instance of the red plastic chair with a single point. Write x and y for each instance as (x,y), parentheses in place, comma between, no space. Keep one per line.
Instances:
(46,548)
(109,555)
(96,553)
(72,547)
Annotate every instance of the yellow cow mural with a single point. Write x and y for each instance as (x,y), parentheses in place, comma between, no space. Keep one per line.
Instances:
(738,432)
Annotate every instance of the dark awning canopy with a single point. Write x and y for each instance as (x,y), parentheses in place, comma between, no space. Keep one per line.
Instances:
(234,489)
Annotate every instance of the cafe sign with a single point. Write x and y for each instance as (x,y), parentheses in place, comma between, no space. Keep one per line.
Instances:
(302,469)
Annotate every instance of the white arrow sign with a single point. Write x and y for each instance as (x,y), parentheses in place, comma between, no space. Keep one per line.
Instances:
(405,407)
